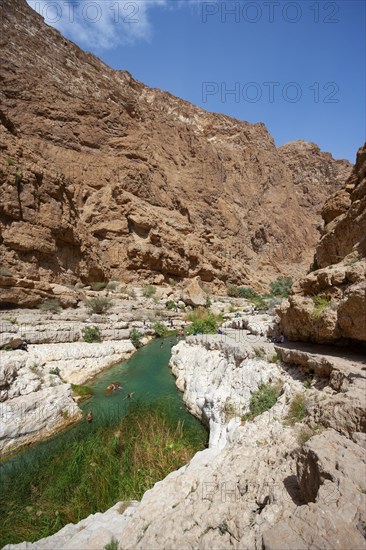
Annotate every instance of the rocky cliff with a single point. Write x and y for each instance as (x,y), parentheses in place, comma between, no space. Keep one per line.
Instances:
(329,304)
(314,173)
(102,177)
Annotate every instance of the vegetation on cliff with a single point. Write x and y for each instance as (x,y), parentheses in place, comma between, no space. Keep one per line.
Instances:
(262,400)
(279,288)
(203,322)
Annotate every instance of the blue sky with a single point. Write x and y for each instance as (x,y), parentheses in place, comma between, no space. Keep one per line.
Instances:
(299,67)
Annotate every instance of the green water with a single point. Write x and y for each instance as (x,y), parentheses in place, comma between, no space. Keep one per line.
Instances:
(147,375)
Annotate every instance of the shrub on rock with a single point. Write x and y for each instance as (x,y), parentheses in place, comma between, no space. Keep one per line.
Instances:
(98,305)
(91,334)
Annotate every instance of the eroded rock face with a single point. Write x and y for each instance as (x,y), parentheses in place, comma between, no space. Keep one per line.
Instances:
(344,408)
(218,392)
(34,401)
(104,177)
(346,234)
(36,413)
(329,304)
(328,470)
(315,174)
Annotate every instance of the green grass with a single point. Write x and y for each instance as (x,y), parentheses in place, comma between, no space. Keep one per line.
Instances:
(160,329)
(281,287)
(113,545)
(98,286)
(50,305)
(112,285)
(91,334)
(82,391)
(100,465)
(260,303)
(297,410)
(235,291)
(314,266)
(262,400)
(232,291)
(135,337)
(247,292)
(321,304)
(149,291)
(127,291)
(7,348)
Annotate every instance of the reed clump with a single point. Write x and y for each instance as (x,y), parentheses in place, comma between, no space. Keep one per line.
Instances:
(101,463)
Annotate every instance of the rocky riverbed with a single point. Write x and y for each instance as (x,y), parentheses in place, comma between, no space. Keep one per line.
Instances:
(278,480)
(36,398)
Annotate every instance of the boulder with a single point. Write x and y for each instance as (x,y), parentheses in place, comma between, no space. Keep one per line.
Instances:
(193,295)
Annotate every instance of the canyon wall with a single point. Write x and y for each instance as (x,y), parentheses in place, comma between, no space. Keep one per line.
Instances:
(329,304)
(102,177)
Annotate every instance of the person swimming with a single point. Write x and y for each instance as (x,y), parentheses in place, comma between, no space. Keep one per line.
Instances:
(114,387)
(89,416)
(129,395)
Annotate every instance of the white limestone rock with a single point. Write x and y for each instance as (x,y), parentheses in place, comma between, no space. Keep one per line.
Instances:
(36,415)
(218,376)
